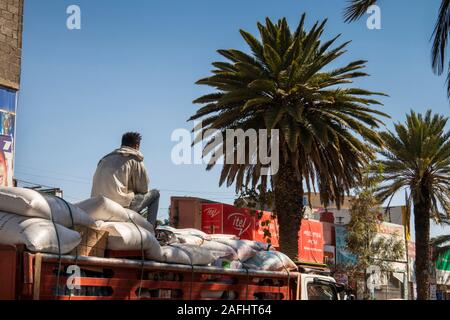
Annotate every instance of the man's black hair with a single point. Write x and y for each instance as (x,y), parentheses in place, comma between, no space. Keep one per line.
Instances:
(131,139)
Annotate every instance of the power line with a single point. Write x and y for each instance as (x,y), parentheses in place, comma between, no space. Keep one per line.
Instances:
(84,180)
(203,192)
(34,184)
(52,178)
(54,172)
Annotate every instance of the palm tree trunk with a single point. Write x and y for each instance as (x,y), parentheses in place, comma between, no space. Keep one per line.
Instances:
(422,209)
(289,208)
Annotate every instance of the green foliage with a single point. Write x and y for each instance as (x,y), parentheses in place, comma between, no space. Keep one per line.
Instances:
(286,83)
(257,200)
(440,41)
(366,217)
(417,157)
(164,222)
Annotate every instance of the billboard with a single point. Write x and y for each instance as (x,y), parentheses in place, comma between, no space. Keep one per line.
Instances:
(393,232)
(223,218)
(212,218)
(443,269)
(310,242)
(238,221)
(343,256)
(218,218)
(7,135)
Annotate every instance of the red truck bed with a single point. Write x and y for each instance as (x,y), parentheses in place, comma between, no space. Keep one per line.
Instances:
(28,276)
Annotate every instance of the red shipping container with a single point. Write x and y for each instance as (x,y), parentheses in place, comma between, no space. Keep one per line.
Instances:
(310,242)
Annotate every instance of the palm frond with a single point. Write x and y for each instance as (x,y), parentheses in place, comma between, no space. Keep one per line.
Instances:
(440,41)
(285,82)
(356,9)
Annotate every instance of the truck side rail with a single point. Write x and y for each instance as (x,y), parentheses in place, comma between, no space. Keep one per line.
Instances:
(50,277)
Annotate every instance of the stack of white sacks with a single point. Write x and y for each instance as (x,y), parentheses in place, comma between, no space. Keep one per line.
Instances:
(37,221)
(28,217)
(219,250)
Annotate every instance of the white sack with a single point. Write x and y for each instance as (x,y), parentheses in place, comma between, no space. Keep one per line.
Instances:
(38,235)
(218,236)
(244,251)
(186,232)
(126,236)
(104,209)
(220,250)
(270,261)
(167,228)
(188,239)
(187,255)
(30,203)
(259,246)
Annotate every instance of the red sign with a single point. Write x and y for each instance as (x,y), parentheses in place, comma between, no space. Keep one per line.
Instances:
(223,218)
(212,218)
(227,219)
(238,221)
(310,242)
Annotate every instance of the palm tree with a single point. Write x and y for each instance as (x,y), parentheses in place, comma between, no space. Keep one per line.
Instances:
(283,85)
(417,157)
(357,8)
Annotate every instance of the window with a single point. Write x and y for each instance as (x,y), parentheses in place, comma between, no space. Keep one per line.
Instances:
(321,292)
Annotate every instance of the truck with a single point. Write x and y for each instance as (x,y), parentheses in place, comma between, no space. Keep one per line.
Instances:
(26,275)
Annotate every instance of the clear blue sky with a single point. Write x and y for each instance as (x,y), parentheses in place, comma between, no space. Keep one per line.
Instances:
(133,65)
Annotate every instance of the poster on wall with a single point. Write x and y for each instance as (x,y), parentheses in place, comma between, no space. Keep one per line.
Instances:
(6,161)
(7,131)
(7,123)
(412,261)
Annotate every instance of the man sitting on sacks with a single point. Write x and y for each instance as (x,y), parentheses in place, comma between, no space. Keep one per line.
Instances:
(122,177)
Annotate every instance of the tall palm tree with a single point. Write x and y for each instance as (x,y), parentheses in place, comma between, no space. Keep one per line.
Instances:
(417,157)
(283,85)
(357,8)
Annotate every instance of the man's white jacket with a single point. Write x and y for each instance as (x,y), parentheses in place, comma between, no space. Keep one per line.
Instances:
(120,175)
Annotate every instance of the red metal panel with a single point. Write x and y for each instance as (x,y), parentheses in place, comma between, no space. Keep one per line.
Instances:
(125,283)
(272,228)
(8,267)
